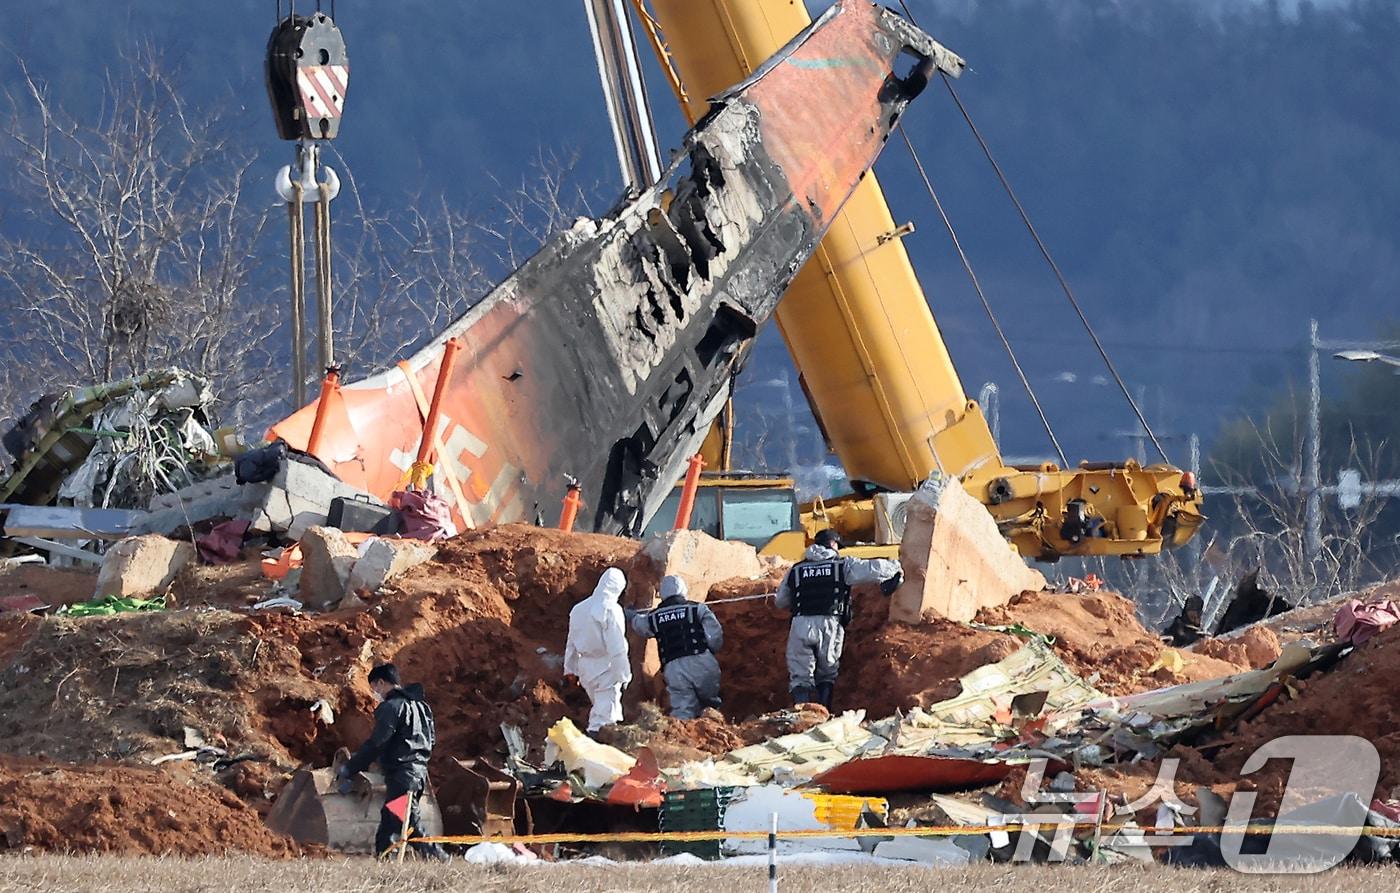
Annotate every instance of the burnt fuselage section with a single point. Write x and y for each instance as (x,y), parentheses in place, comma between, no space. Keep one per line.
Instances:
(609,353)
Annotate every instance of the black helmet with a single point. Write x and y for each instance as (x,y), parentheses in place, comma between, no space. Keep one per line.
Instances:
(829,539)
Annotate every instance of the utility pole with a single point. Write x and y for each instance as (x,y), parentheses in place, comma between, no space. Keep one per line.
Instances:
(1312,459)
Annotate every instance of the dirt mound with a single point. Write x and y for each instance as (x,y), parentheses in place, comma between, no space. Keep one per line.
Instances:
(1352,698)
(126,810)
(55,585)
(1355,698)
(1099,636)
(1255,648)
(482,627)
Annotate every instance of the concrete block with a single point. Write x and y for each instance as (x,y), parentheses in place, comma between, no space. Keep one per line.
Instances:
(142,565)
(327,558)
(298,498)
(701,560)
(381,560)
(219,497)
(956,562)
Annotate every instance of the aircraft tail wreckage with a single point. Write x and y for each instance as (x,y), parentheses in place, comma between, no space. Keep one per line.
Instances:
(607,355)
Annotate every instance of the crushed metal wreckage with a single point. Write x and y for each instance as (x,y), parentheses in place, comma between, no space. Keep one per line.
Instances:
(87,461)
(1028,710)
(112,445)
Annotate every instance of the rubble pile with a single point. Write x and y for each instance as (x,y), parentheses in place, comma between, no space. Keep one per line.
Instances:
(231,699)
(1356,698)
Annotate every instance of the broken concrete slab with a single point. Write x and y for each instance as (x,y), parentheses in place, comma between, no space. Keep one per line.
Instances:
(381,560)
(220,497)
(327,558)
(956,562)
(299,496)
(701,560)
(141,565)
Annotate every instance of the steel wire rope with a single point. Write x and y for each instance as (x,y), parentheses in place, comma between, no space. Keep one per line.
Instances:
(982,296)
(1045,252)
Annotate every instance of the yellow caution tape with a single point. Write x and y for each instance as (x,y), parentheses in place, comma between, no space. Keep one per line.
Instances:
(931,831)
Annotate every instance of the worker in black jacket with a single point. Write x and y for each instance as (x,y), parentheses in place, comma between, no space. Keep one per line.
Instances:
(687,637)
(402,741)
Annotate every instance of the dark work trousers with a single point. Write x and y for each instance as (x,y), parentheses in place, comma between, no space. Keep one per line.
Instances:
(390,825)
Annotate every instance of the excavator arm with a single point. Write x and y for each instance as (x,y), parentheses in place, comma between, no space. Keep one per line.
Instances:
(873,364)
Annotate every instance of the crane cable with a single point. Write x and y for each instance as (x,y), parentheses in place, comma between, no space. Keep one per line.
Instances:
(1045,252)
(323,276)
(298,276)
(986,305)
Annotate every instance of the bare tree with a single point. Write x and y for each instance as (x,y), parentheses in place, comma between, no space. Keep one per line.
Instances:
(1260,525)
(548,198)
(403,276)
(129,246)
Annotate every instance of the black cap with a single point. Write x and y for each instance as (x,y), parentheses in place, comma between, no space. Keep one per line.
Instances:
(828,538)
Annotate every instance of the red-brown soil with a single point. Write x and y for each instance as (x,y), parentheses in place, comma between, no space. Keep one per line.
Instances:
(483,627)
(126,810)
(55,585)
(1099,636)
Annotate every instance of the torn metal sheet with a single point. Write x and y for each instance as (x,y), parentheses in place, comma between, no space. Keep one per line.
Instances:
(609,353)
(790,759)
(69,522)
(896,772)
(986,710)
(966,732)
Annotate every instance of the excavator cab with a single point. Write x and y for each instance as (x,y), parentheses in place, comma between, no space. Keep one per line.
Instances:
(744,506)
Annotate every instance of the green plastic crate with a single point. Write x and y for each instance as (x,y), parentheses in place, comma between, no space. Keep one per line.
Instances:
(701,810)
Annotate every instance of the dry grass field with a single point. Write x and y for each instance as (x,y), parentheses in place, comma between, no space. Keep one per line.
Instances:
(105,874)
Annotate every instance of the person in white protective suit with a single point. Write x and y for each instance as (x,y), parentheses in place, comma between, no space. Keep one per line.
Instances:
(818,593)
(596,652)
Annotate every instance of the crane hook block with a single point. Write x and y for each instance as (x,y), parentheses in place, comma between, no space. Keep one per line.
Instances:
(307,73)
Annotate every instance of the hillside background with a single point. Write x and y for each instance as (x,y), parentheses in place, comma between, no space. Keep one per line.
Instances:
(1209,173)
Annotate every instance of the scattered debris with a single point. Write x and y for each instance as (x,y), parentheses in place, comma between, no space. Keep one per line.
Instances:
(1062,677)
(1357,622)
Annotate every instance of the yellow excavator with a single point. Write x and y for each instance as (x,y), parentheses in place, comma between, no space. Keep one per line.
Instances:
(875,368)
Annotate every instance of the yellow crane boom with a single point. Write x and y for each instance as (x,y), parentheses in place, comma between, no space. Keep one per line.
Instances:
(871,359)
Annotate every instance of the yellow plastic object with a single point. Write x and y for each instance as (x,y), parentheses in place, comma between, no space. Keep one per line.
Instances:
(599,764)
(1169,660)
(841,812)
